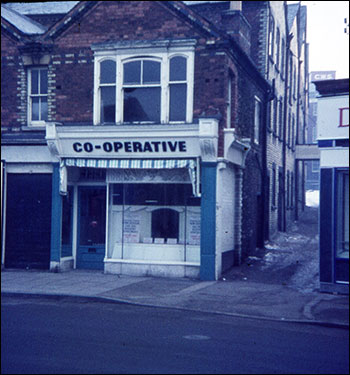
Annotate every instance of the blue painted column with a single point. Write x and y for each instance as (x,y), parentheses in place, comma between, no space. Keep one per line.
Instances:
(326,238)
(208,220)
(56,216)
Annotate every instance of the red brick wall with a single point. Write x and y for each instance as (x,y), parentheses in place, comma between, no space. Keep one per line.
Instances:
(9,78)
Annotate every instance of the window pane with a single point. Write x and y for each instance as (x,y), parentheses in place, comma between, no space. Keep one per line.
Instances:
(165,223)
(108,71)
(43,109)
(43,81)
(108,104)
(343,215)
(178,98)
(178,69)
(35,109)
(132,72)
(34,81)
(151,72)
(142,104)
(158,194)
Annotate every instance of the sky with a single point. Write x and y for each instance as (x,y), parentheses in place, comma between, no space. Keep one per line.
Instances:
(329,45)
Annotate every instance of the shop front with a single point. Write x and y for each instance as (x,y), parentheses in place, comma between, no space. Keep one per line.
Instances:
(333,143)
(141,202)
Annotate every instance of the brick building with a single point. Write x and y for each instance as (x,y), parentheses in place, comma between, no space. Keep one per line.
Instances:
(135,136)
(277,42)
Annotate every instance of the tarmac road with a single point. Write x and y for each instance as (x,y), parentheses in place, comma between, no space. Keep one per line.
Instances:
(40,336)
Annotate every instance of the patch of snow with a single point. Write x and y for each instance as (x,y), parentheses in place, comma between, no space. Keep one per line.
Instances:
(253,258)
(22,23)
(270,257)
(312,198)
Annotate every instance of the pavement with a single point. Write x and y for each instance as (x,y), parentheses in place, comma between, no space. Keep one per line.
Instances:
(279,283)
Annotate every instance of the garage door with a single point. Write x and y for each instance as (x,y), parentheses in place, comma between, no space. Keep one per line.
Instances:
(28,221)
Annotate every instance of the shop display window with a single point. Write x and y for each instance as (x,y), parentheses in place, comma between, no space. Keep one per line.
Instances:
(342,250)
(153,222)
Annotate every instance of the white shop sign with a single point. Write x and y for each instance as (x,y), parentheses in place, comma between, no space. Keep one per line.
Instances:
(333,117)
(107,148)
(124,142)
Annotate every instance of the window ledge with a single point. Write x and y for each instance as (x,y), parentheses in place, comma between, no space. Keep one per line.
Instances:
(33,128)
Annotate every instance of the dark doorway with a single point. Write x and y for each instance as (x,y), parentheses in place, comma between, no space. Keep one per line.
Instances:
(91,227)
(260,222)
(28,221)
(280,201)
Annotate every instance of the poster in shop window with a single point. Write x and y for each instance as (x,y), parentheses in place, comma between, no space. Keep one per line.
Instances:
(194,229)
(131,228)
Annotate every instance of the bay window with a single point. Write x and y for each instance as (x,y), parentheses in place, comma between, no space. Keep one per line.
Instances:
(144,85)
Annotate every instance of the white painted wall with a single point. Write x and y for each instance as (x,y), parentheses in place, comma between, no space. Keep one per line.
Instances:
(225,209)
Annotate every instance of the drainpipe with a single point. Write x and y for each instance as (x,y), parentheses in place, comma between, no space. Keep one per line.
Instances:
(296,165)
(269,96)
(284,140)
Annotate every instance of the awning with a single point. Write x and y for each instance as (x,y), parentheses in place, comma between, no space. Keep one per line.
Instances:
(191,164)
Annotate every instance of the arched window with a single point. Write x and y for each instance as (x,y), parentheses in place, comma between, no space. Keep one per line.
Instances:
(165,223)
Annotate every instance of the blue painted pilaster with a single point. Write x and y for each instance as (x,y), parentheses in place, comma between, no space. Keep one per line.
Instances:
(326,225)
(56,215)
(208,221)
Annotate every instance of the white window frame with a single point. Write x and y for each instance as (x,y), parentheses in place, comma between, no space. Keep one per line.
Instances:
(257,118)
(34,123)
(162,54)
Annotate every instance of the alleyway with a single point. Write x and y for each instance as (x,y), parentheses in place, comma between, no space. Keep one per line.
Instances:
(290,258)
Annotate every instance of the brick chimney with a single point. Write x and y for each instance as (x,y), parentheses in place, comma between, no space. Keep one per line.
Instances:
(235,24)
(236,5)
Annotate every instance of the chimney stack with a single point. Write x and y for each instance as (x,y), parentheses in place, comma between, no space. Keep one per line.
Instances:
(236,5)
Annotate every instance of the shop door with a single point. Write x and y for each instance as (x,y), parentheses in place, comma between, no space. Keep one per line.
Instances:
(28,221)
(91,227)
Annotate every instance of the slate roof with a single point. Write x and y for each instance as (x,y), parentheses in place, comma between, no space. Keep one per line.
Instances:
(22,23)
(45,7)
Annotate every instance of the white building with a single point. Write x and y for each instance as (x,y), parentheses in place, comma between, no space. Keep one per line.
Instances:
(333,142)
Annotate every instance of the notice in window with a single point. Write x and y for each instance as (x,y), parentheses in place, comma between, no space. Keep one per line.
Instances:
(131,228)
(194,230)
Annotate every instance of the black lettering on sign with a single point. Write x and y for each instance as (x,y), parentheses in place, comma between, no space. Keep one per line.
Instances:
(156,146)
(137,146)
(127,146)
(88,147)
(77,147)
(107,146)
(172,146)
(147,147)
(182,146)
(117,146)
